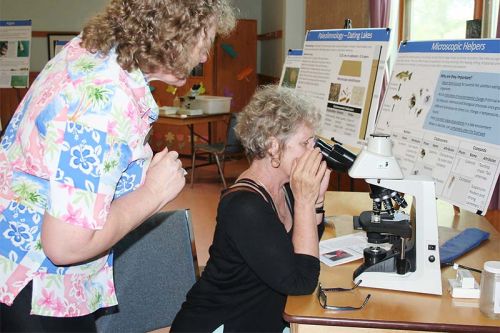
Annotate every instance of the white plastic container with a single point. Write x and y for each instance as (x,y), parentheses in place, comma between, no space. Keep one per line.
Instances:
(167,110)
(211,104)
(489,301)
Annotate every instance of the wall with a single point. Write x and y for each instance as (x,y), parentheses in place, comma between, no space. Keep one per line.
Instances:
(287,16)
(252,10)
(292,17)
(65,15)
(70,16)
(272,50)
(271,15)
(330,14)
(294,25)
(54,15)
(49,15)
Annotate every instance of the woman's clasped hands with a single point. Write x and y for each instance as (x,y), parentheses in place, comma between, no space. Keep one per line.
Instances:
(310,177)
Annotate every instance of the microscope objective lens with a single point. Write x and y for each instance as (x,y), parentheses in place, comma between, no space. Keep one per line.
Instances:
(388,206)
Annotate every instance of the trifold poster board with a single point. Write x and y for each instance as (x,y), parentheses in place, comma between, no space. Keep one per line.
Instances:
(291,68)
(342,72)
(15,49)
(442,110)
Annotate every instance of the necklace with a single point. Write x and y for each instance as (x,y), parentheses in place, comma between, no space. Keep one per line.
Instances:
(283,217)
(250,174)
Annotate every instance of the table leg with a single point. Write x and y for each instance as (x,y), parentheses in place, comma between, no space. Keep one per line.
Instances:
(191,134)
(209,132)
(210,140)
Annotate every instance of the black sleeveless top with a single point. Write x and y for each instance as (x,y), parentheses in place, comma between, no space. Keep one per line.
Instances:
(251,270)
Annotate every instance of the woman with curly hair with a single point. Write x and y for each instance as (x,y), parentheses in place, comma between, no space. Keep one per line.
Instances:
(269,222)
(76,171)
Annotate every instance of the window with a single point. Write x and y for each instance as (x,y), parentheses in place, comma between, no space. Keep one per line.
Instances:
(437,19)
(447,19)
(490,18)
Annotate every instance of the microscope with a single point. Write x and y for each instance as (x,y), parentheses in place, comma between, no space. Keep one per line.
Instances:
(403,249)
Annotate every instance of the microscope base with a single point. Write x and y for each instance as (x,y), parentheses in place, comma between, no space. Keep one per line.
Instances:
(427,275)
(413,282)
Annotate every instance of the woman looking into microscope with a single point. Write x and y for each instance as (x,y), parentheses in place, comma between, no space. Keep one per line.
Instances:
(265,245)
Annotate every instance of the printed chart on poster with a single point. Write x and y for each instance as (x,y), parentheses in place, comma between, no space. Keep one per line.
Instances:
(442,110)
(342,72)
(291,69)
(15,49)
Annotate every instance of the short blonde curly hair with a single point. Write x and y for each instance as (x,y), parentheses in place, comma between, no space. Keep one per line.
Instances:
(273,111)
(156,35)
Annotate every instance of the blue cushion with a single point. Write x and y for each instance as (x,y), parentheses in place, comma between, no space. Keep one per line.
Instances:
(461,244)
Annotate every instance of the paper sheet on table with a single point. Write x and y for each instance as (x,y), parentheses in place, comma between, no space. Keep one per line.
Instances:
(343,249)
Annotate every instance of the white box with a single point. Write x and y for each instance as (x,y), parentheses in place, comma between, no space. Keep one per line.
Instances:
(465,278)
(190,112)
(458,292)
(167,110)
(211,104)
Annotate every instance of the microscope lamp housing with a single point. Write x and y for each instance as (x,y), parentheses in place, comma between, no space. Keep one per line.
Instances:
(376,160)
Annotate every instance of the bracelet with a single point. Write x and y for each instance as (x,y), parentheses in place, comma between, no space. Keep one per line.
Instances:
(320,210)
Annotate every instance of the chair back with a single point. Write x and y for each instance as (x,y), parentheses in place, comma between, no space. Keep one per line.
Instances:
(233,144)
(154,267)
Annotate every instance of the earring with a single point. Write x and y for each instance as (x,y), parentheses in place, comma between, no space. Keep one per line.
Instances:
(275,162)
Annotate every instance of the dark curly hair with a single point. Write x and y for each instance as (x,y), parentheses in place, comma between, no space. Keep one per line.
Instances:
(156,35)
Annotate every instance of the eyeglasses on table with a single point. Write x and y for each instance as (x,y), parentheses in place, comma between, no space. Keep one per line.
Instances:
(323,300)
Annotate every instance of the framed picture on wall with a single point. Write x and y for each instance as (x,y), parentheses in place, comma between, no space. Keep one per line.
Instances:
(55,42)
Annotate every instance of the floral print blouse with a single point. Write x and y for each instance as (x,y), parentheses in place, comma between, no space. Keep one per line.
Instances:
(75,143)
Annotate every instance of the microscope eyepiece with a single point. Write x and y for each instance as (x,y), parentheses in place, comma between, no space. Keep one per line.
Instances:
(325,148)
(336,156)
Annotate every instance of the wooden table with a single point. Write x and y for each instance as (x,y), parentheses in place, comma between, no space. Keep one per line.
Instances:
(389,310)
(190,121)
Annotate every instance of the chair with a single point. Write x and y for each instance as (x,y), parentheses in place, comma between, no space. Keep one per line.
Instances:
(154,267)
(220,150)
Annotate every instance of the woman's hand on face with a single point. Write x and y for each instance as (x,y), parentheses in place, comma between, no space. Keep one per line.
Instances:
(325,181)
(165,177)
(308,177)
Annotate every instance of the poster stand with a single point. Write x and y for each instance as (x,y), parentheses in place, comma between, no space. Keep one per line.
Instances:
(341,71)
(441,108)
(15,53)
